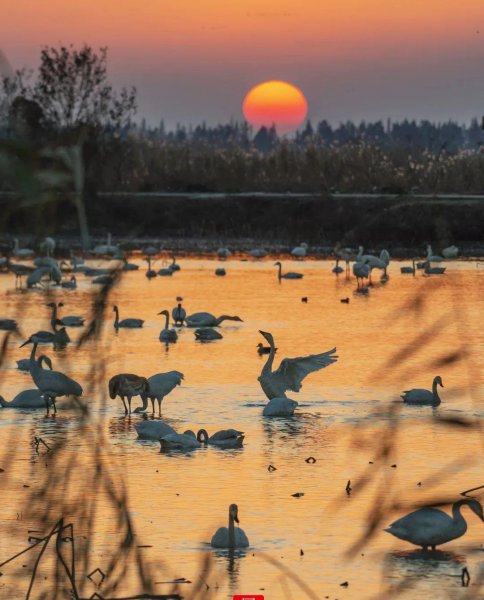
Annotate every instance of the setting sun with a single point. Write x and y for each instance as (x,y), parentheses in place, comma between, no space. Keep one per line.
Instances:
(275,103)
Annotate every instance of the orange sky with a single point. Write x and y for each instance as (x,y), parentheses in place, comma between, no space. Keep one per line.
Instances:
(195,59)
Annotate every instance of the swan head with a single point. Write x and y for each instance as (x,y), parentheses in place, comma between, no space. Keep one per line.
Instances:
(267,336)
(476,507)
(438,381)
(164,312)
(277,264)
(303,245)
(234,512)
(115,308)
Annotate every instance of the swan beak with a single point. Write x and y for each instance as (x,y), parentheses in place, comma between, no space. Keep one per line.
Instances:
(24,344)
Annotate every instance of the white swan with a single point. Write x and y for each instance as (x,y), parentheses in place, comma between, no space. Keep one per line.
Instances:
(179,441)
(409,270)
(174,266)
(258,252)
(207,334)
(26,399)
(51,383)
(432,257)
(178,314)
(432,527)
(429,270)
(166,334)
(337,269)
(150,273)
(128,385)
(48,246)
(152,430)
(300,251)
(159,386)
(424,397)
(107,248)
(126,323)
(71,321)
(450,252)
(288,275)
(21,252)
(226,438)
(204,319)
(224,253)
(291,371)
(361,270)
(230,537)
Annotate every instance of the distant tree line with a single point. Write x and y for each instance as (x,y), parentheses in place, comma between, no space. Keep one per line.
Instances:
(70,102)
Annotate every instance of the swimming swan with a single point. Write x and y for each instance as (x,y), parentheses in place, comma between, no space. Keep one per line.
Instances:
(204,319)
(226,438)
(424,397)
(230,537)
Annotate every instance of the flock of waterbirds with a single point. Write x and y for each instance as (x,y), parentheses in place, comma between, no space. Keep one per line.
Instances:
(427,527)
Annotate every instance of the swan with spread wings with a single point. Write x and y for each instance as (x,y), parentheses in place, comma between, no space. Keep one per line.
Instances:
(291,371)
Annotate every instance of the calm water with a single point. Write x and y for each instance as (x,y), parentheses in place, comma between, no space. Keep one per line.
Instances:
(178,500)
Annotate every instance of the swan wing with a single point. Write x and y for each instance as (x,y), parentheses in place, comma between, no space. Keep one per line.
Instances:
(417,394)
(292,371)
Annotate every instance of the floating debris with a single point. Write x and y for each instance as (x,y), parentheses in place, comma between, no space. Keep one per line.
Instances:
(465,577)
(310,460)
(348,488)
(297,495)
(345,300)
(271,469)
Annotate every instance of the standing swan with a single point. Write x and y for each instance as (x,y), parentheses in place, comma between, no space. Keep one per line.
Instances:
(289,275)
(178,314)
(432,527)
(52,384)
(166,334)
(126,323)
(424,397)
(229,537)
(159,386)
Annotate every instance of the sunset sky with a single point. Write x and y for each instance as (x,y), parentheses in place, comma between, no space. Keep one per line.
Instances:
(194,60)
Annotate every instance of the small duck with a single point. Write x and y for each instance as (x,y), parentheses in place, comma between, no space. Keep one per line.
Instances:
(261,349)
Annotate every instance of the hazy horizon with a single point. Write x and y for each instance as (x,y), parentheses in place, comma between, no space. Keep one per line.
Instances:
(193,62)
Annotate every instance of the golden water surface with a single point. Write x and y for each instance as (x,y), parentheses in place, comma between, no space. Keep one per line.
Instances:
(399,336)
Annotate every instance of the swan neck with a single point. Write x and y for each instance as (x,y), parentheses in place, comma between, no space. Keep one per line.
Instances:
(435,393)
(270,359)
(116,317)
(280,270)
(167,320)
(231,543)
(456,514)
(3,402)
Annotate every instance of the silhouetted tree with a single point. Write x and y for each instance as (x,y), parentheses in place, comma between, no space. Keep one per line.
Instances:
(72,89)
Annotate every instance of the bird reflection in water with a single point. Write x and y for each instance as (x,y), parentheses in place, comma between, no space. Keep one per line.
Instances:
(415,569)
(232,557)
